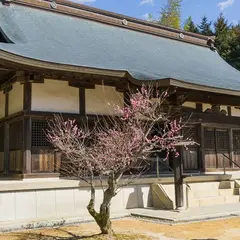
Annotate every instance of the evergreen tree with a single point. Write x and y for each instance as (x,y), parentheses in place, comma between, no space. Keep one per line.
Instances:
(234,55)
(190,26)
(171,14)
(227,41)
(224,36)
(205,27)
(221,25)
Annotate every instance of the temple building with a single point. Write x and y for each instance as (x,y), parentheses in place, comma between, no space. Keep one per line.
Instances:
(62,57)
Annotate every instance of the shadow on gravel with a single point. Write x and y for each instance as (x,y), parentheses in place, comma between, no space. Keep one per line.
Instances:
(204,239)
(39,236)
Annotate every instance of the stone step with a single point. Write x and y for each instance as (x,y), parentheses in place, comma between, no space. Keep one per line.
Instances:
(212,193)
(205,186)
(228,192)
(211,201)
(206,201)
(232,199)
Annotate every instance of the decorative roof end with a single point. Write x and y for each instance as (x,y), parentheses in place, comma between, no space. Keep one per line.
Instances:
(210,43)
(5,2)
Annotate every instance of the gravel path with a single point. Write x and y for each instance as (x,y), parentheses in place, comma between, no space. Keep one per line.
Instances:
(225,229)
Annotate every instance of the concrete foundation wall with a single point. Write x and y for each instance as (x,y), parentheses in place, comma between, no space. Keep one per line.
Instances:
(2,104)
(66,203)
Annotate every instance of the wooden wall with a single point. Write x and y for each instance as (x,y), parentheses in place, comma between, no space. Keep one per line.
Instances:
(190,155)
(16,146)
(216,143)
(236,147)
(43,156)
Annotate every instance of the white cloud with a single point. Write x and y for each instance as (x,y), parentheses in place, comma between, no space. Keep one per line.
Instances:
(145,16)
(225,4)
(84,1)
(146,2)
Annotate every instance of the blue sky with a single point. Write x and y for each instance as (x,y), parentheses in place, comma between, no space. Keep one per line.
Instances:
(194,8)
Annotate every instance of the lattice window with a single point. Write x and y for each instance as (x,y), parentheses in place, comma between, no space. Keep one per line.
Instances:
(236,140)
(222,139)
(209,139)
(39,138)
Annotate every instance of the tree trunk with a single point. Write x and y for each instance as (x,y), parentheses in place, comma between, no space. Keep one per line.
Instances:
(103,217)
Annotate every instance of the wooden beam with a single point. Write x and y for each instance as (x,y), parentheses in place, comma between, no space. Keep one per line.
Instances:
(214,119)
(9,79)
(199,107)
(231,153)
(201,148)
(82,101)
(229,110)
(6,104)
(27,96)
(212,98)
(81,85)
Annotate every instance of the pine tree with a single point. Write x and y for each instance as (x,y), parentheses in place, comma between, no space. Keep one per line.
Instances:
(171,14)
(190,26)
(227,41)
(205,27)
(223,35)
(221,25)
(234,55)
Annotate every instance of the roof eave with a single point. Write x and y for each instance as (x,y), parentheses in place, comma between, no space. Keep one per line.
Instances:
(20,62)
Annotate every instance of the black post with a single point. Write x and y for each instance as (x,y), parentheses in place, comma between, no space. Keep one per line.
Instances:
(178,180)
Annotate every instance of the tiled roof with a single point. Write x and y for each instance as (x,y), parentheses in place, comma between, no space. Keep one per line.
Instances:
(65,39)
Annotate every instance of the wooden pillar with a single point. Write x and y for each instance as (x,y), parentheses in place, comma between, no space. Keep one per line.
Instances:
(27,146)
(231,152)
(201,160)
(27,129)
(178,180)
(199,107)
(82,101)
(6,134)
(229,111)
